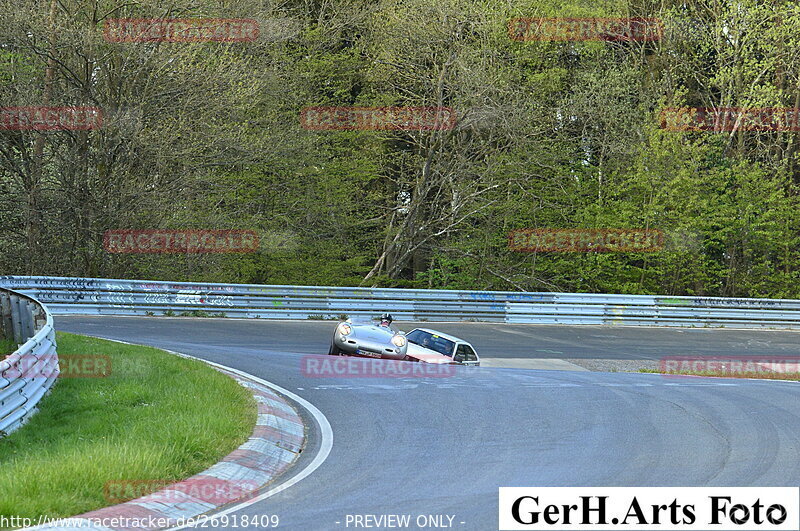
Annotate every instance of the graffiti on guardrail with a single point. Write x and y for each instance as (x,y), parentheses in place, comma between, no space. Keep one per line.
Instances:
(177,287)
(198,297)
(733,302)
(511,297)
(195,297)
(54,296)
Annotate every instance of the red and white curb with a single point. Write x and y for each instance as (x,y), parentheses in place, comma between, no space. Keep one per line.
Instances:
(275,444)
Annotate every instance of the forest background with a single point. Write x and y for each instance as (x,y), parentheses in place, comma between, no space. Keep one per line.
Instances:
(549,134)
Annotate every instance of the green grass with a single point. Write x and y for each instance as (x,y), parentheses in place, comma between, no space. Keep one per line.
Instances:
(7,346)
(795,376)
(156,417)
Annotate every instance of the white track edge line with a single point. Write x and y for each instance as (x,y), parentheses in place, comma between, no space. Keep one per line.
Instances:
(322,420)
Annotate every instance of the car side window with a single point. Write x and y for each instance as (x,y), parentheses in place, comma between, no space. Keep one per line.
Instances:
(461,355)
(465,353)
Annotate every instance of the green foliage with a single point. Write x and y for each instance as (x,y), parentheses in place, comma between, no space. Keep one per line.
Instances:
(7,346)
(549,134)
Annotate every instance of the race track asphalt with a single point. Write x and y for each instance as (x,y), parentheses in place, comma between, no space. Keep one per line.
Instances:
(443,446)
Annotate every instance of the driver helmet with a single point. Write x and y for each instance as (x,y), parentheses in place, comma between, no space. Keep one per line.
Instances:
(386,319)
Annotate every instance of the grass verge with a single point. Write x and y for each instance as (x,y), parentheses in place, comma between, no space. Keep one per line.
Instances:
(7,346)
(795,376)
(155,417)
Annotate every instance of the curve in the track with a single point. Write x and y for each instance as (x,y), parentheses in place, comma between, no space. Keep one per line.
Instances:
(443,446)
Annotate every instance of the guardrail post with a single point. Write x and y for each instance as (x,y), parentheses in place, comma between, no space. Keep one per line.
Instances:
(6,324)
(16,319)
(28,328)
(39,318)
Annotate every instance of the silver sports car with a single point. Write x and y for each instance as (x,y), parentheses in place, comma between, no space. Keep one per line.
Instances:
(369,340)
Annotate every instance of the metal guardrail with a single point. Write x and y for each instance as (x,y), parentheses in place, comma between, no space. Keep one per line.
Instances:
(28,373)
(95,296)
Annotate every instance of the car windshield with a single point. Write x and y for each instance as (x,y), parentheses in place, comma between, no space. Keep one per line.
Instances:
(362,322)
(431,341)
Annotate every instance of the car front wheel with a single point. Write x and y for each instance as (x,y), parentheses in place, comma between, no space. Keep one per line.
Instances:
(334,350)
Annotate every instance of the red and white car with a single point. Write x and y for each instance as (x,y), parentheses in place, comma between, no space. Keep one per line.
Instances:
(435,347)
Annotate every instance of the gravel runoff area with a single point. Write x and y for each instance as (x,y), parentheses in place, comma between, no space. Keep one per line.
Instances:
(599,365)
